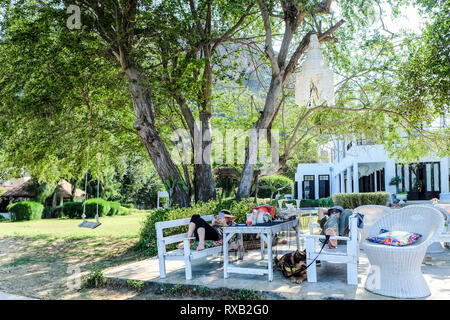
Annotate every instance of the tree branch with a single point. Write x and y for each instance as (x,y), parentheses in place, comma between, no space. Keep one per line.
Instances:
(196,19)
(230,31)
(268,39)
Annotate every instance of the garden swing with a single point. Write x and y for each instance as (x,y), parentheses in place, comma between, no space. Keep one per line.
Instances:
(90,224)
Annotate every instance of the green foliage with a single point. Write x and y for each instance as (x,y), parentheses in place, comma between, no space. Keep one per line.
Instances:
(25,210)
(72,210)
(353,200)
(95,279)
(91,207)
(245,294)
(135,285)
(269,186)
(326,202)
(395,181)
(114,208)
(128,205)
(117,210)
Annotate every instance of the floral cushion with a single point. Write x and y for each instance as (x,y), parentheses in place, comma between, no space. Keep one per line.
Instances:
(395,238)
(208,244)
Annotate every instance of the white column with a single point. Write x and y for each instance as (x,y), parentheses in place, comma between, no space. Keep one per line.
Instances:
(342,182)
(316,186)
(375,181)
(388,175)
(355,178)
(445,164)
(349,180)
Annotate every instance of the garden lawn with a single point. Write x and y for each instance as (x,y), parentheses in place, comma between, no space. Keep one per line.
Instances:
(35,255)
(114,226)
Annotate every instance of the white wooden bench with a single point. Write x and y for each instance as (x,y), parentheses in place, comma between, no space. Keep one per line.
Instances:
(345,253)
(186,253)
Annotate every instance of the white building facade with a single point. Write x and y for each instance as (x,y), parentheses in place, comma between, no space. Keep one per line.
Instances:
(362,166)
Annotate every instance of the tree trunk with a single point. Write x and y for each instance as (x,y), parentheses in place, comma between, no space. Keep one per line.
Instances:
(54,198)
(263,122)
(203,178)
(150,137)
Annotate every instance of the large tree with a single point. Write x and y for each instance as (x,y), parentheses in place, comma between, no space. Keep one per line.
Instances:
(138,70)
(367,103)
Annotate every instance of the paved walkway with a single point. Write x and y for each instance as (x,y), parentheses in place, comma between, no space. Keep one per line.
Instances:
(332,277)
(7,296)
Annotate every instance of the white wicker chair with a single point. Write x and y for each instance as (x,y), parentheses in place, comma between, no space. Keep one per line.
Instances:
(395,271)
(371,214)
(436,247)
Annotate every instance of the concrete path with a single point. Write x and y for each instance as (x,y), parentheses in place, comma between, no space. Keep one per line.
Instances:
(7,296)
(332,277)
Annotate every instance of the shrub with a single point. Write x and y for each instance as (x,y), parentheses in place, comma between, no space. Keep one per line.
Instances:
(326,202)
(91,207)
(114,208)
(25,210)
(123,211)
(271,185)
(47,213)
(72,210)
(309,203)
(128,205)
(353,200)
(95,279)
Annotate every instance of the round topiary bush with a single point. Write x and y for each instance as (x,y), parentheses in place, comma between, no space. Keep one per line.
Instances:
(26,210)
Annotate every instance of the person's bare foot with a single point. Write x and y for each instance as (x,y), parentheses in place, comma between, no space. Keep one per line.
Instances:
(201,246)
(332,243)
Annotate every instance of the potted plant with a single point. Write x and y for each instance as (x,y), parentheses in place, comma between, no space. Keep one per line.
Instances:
(402,196)
(395,182)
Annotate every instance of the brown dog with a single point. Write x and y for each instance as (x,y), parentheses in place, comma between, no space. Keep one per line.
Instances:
(293,266)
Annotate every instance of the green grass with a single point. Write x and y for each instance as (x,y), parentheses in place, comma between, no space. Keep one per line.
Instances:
(115,226)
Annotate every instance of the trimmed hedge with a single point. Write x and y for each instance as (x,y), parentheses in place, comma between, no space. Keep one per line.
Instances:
(25,210)
(117,210)
(91,207)
(72,210)
(326,202)
(147,241)
(353,200)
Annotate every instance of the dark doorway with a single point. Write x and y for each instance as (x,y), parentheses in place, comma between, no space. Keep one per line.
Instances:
(296,190)
(324,186)
(308,187)
(424,182)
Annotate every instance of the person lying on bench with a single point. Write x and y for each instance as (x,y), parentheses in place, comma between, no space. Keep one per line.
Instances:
(203,231)
(335,223)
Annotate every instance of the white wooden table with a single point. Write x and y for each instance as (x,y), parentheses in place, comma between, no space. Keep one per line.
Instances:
(267,233)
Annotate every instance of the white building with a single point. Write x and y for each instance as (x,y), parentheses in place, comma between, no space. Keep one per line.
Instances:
(362,166)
